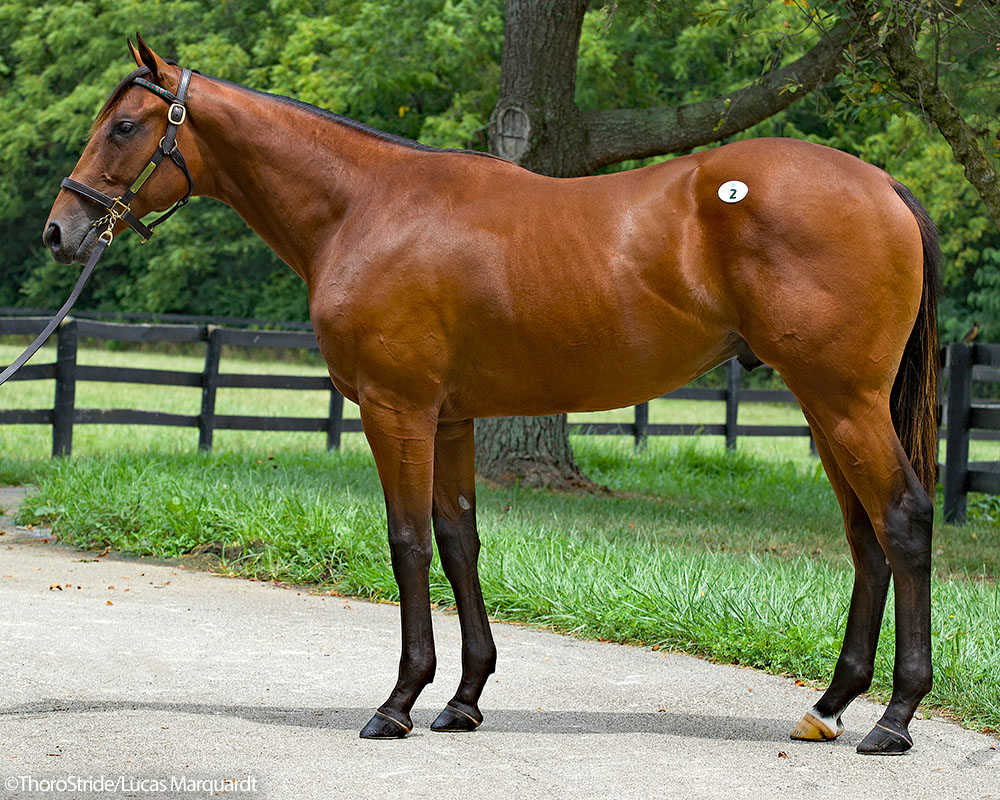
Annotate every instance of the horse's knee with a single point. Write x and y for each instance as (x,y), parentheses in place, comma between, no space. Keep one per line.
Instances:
(410,549)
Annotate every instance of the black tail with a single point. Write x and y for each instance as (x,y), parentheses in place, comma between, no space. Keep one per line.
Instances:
(915,393)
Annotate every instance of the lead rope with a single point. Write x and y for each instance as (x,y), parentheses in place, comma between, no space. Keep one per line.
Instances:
(54,323)
(118,209)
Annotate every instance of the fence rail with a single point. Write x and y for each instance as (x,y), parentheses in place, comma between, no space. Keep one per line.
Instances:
(966,419)
(159,319)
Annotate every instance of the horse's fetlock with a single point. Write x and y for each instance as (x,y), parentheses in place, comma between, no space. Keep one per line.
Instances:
(862,673)
(486,655)
(418,668)
(916,675)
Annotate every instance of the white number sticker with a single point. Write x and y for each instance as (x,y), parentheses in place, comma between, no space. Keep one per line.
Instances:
(732,191)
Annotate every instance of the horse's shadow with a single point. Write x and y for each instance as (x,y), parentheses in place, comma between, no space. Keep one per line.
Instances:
(662,723)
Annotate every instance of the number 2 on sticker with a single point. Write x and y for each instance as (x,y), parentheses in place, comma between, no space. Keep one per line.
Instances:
(732,191)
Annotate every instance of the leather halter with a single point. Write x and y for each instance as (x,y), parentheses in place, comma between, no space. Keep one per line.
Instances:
(119,208)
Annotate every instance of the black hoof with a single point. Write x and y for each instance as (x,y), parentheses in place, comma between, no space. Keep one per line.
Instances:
(454,720)
(884,741)
(383,726)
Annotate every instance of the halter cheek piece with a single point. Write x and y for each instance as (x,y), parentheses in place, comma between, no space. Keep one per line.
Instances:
(118,207)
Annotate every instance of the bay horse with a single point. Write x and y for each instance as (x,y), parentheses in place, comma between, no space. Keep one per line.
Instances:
(446,285)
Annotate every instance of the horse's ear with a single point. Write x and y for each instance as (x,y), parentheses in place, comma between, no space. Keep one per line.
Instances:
(134,53)
(147,58)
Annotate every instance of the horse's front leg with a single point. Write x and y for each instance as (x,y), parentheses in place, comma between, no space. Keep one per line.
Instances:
(403,446)
(458,546)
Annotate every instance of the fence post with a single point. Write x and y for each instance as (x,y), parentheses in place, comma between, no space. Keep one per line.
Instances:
(64,409)
(209,387)
(336,420)
(732,401)
(641,426)
(956,467)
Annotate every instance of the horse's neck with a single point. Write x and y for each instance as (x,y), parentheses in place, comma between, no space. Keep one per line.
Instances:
(292,174)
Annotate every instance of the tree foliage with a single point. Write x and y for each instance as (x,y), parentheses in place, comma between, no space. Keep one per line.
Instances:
(430,69)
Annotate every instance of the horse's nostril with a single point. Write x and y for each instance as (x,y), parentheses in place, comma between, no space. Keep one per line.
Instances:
(52,238)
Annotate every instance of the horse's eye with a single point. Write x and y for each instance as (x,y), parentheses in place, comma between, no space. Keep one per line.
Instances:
(124,128)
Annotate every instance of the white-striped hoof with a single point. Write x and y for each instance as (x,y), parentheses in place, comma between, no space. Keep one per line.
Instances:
(815,728)
(455,720)
(383,726)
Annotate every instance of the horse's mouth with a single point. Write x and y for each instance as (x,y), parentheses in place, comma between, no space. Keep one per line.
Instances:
(84,250)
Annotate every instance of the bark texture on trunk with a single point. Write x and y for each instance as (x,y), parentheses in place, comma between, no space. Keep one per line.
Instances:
(533,451)
(536,122)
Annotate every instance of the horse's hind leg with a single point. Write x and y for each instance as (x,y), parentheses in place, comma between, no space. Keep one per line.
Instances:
(861,437)
(855,667)
(458,545)
(403,446)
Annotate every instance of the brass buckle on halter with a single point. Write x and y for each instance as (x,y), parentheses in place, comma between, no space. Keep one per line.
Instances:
(176,107)
(118,210)
(106,236)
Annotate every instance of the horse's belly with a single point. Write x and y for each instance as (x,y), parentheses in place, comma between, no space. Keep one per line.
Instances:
(549,377)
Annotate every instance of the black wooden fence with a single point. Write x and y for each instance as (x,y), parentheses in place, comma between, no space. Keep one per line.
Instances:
(67,373)
(965,419)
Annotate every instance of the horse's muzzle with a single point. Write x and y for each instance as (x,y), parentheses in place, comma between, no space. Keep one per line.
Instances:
(65,245)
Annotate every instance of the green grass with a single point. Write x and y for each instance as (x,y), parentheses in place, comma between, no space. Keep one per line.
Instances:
(737,556)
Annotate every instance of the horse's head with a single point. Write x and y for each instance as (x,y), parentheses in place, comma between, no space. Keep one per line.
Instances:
(124,138)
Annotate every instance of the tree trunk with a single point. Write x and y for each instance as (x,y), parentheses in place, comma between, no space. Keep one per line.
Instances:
(532,451)
(536,122)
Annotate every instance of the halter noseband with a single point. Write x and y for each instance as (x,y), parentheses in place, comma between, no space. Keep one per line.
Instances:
(118,207)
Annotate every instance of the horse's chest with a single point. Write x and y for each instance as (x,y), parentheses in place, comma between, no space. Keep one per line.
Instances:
(336,327)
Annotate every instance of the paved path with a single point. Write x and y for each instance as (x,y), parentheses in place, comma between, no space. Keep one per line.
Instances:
(150,673)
